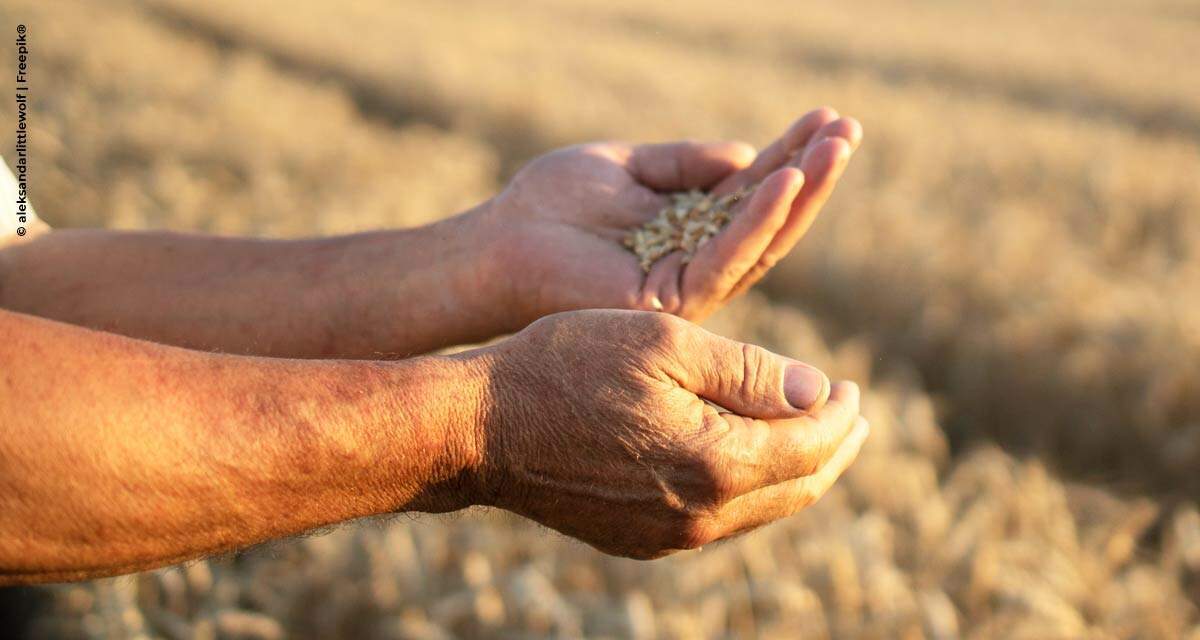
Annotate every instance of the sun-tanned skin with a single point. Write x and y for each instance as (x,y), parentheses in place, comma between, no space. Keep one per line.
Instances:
(549,242)
(118,454)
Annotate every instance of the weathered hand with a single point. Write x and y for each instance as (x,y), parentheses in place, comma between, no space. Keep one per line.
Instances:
(599,428)
(562,218)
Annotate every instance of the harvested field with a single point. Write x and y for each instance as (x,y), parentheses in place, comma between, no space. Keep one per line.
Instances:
(1010,267)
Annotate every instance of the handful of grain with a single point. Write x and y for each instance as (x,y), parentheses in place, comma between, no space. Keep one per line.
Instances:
(685,225)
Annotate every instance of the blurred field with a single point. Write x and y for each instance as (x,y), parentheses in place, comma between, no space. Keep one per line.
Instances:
(1012,265)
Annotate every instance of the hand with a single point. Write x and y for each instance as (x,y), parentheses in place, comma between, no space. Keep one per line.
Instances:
(562,218)
(599,429)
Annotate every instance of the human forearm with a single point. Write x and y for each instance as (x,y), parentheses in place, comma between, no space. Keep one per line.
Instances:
(117,454)
(382,294)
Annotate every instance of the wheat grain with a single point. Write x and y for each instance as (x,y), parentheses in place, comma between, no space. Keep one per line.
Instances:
(690,220)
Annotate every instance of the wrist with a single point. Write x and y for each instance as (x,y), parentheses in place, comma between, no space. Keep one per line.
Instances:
(403,292)
(515,271)
(458,390)
(421,445)
(474,395)
(485,275)
(489,385)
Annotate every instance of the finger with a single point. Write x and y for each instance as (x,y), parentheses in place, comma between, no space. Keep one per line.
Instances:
(793,448)
(660,292)
(820,482)
(847,129)
(639,205)
(743,378)
(721,263)
(772,503)
(767,452)
(778,152)
(676,166)
(822,164)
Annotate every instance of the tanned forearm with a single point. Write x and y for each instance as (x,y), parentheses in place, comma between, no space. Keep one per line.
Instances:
(373,295)
(118,455)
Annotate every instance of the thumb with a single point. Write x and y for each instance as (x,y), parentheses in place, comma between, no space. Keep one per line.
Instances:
(745,378)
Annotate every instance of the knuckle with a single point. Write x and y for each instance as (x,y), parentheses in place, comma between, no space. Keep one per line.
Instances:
(727,277)
(760,269)
(557,328)
(757,373)
(663,329)
(542,329)
(765,263)
(546,323)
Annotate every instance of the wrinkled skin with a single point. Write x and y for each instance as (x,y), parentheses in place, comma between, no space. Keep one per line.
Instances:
(550,241)
(562,218)
(600,430)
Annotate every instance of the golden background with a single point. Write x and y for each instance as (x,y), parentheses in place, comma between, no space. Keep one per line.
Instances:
(1011,266)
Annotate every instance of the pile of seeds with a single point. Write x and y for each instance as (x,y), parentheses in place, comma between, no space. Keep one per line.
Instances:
(685,225)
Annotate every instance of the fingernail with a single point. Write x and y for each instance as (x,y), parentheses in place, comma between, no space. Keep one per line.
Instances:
(804,386)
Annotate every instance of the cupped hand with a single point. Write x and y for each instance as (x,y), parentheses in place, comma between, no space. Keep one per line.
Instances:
(562,218)
(602,426)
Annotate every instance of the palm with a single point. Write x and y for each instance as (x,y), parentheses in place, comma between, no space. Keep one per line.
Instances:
(568,211)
